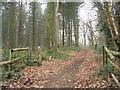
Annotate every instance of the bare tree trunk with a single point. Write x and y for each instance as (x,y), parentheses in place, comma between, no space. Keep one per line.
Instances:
(71,32)
(48,25)
(84,40)
(56,37)
(63,27)
(33,26)
(18,23)
(77,33)
(8,33)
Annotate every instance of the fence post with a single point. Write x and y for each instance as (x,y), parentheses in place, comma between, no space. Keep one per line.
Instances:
(106,58)
(39,56)
(10,57)
(103,55)
(27,53)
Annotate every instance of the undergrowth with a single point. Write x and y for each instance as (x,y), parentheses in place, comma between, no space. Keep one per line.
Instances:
(58,54)
(98,59)
(5,54)
(54,54)
(71,48)
(106,69)
(15,67)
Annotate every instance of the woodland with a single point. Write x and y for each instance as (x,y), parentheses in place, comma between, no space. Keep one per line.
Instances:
(56,44)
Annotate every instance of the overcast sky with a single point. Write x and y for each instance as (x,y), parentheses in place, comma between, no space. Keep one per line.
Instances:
(86,13)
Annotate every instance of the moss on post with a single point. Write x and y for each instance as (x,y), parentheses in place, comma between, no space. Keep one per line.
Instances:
(39,56)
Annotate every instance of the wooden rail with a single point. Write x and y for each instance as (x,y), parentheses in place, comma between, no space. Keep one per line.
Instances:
(109,57)
(10,61)
(19,49)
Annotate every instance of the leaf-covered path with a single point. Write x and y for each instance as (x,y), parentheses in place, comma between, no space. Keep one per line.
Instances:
(76,72)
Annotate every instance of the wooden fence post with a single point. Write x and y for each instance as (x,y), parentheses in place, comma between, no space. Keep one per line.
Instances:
(10,57)
(103,54)
(39,56)
(106,58)
(27,53)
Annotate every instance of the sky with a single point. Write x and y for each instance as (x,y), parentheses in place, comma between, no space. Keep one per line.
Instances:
(86,13)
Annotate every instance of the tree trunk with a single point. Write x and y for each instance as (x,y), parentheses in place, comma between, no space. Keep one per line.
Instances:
(63,27)
(18,24)
(33,22)
(20,27)
(84,40)
(9,24)
(71,32)
(68,32)
(112,25)
(56,37)
(77,33)
(48,25)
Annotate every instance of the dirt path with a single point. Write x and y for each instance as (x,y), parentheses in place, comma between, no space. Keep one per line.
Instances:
(66,76)
(74,72)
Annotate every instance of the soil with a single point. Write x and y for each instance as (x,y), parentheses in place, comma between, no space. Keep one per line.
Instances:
(78,71)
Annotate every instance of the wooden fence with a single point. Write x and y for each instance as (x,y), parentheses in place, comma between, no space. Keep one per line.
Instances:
(109,58)
(28,54)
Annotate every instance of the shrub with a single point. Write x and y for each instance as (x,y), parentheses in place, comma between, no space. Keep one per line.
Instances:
(5,54)
(105,69)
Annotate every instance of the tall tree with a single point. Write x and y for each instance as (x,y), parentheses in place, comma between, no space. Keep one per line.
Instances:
(18,24)
(33,25)
(63,37)
(48,25)
(56,37)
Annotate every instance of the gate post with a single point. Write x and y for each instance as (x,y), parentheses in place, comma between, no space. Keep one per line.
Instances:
(103,55)
(39,56)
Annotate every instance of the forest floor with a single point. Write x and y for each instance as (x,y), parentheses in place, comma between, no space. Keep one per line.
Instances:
(77,71)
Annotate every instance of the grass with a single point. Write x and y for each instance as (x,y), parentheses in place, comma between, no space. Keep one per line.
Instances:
(59,53)
(98,59)
(5,54)
(99,49)
(106,69)
(15,67)
(71,48)
(54,54)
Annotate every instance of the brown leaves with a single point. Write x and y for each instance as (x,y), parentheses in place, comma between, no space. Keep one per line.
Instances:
(76,71)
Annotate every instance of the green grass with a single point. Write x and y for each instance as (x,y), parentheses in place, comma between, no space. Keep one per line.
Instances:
(5,54)
(106,69)
(15,67)
(58,54)
(9,74)
(71,48)
(98,59)
(54,54)
(99,49)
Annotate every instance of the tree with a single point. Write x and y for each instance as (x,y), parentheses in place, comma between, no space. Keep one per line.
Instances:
(33,25)
(56,37)
(18,24)
(112,25)
(48,25)
(63,37)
